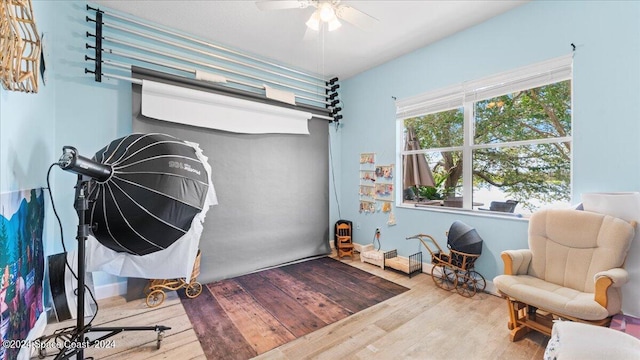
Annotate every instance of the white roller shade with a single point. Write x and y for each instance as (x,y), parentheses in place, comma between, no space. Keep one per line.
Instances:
(527,77)
(431,102)
(213,111)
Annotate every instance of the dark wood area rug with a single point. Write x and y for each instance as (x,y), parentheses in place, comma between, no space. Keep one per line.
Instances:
(246,316)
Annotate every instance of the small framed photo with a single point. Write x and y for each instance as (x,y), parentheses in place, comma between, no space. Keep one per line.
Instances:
(367,158)
(367,176)
(384,192)
(384,172)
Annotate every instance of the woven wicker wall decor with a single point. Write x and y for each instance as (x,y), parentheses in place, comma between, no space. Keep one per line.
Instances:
(19,46)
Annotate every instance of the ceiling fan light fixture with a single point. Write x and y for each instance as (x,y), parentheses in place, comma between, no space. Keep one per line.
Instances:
(314,21)
(327,13)
(334,24)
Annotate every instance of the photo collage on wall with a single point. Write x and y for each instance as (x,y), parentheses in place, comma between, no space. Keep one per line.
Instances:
(367,183)
(376,185)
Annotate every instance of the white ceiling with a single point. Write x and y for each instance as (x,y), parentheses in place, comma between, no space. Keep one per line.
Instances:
(280,35)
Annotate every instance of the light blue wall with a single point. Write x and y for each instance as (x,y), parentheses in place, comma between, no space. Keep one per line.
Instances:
(27,135)
(606,115)
(71,109)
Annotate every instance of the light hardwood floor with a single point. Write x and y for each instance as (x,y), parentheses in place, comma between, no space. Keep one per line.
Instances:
(422,323)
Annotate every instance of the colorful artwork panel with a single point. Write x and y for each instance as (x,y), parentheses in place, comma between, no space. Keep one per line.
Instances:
(21,265)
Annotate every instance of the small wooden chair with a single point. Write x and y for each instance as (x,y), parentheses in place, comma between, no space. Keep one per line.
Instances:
(345,243)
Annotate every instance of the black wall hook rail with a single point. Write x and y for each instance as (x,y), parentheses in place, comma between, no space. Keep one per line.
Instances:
(97,59)
(90,8)
(331,95)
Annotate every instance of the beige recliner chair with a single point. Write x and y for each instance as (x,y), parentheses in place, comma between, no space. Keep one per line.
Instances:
(572,270)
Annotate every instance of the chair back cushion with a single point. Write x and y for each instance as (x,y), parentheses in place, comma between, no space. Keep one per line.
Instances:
(570,246)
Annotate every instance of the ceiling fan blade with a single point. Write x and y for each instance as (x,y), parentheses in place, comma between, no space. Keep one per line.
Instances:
(282,4)
(356,17)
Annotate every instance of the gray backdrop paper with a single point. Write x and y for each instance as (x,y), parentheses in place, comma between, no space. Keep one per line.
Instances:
(272,190)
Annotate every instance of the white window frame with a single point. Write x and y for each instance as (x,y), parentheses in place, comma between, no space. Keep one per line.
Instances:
(465,95)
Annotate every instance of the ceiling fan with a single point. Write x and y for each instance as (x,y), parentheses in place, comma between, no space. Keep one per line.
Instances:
(328,12)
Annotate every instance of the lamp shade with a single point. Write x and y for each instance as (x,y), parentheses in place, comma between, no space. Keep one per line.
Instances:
(334,24)
(464,238)
(314,21)
(157,188)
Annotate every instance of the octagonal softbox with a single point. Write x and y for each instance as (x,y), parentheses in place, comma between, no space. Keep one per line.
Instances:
(156,197)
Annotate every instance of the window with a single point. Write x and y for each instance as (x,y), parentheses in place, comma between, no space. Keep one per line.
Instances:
(500,144)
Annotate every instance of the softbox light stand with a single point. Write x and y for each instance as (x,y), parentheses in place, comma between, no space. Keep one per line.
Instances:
(75,340)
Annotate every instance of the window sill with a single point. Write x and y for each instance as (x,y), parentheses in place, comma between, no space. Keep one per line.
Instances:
(479,213)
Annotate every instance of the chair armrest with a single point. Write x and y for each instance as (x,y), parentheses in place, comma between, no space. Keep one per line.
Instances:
(516,262)
(618,276)
(605,279)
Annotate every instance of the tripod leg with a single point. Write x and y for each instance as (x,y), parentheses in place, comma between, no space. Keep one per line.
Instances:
(160,338)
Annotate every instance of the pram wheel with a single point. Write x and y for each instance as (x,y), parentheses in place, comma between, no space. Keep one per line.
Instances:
(443,276)
(155,298)
(152,284)
(479,280)
(470,282)
(193,289)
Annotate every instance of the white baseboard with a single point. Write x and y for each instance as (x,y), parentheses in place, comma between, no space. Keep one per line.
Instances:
(426,268)
(491,289)
(110,290)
